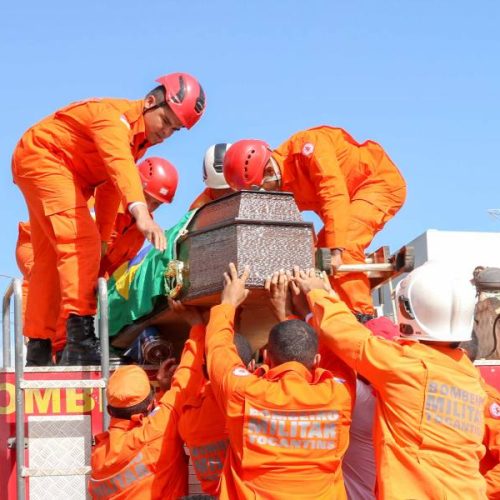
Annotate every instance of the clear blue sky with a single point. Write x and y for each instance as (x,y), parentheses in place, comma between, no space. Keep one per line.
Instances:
(420,77)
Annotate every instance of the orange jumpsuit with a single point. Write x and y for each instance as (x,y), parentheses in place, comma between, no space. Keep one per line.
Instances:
(125,242)
(490,464)
(429,417)
(208,195)
(144,458)
(202,426)
(354,188)
(24,259)
(57,164)
(288,428)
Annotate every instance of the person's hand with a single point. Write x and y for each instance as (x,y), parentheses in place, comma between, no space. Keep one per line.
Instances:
(336,259)
(165,373)
(279,294)
(307,280)
(299,300)
(148,227)
(191,315)
(234,292)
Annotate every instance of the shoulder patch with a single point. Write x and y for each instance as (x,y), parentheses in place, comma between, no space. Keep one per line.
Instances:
(125,121)
(308,149)
(495,410)
(241,372)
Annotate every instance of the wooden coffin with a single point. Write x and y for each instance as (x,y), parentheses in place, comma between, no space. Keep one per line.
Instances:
(263,230)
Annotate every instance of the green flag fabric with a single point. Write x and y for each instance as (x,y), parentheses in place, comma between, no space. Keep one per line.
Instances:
(136,285)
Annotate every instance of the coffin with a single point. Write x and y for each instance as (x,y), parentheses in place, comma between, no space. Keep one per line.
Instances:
(263,230)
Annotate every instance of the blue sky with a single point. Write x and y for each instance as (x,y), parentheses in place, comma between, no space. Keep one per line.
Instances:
(420,77)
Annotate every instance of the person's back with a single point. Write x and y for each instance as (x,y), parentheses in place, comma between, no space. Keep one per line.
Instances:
(202,426)
(364,168)
(141,456)
(429,421)
(288,425)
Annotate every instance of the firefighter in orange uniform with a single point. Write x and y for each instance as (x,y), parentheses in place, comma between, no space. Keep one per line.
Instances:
(429,419)
(142,455)
(288,424)
(213,176)
(355,189)
(490,464)
(202,425)
(159,180)
(57,164)
(24,257)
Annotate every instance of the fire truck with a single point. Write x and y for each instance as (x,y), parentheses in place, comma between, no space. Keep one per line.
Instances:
(48,416)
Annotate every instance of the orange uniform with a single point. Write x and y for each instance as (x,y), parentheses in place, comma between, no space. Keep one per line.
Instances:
(144,458)
(202,426)
(490,464)
(288,428)
(24,257)
(354,188)
(206,196)
(25,261)
(429,420)
(125,242)
(57,164)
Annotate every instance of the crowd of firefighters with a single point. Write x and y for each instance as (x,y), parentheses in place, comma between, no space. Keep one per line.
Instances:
(340,400)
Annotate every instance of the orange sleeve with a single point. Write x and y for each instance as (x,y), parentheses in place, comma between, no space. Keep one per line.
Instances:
(202,199)
(226,371)
(107,204)
(330,187)
(123,248)
(110,132)
(354,344)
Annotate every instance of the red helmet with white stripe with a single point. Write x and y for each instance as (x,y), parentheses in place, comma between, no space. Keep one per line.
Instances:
(185,97)
(159,178)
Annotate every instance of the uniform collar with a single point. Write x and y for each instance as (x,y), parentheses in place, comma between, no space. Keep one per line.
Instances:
(279,371)
(135,118)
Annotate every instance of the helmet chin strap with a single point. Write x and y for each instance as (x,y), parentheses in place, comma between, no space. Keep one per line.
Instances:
(277,173)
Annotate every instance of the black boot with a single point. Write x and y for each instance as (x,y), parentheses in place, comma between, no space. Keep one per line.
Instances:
(39,352)
(82,346)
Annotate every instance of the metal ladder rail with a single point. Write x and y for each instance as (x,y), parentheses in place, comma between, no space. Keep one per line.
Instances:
(21,384)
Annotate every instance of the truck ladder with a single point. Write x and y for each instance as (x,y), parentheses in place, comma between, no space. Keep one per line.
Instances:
(21,384)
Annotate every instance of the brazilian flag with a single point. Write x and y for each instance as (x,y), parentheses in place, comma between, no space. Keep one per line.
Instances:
(136,285)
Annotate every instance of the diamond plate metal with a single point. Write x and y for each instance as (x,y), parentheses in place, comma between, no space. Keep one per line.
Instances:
(59,442)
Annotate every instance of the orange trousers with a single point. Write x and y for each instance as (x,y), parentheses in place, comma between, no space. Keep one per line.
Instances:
(365,221)
(65,239)
(24,259)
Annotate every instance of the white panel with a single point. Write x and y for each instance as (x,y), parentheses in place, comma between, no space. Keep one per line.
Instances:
(59,442)
(461,249)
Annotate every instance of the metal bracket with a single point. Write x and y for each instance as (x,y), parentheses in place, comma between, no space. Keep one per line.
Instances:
(378,265)
(174,278)
(11,443)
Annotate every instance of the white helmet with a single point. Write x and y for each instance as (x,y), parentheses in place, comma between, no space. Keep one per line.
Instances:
(213,162)
(436,303)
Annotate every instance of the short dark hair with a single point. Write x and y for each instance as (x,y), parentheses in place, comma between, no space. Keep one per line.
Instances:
(293,340)
(243,347)
(158,93)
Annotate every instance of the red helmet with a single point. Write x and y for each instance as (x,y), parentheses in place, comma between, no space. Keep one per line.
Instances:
(159,178)
(244,163)
(185,97)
